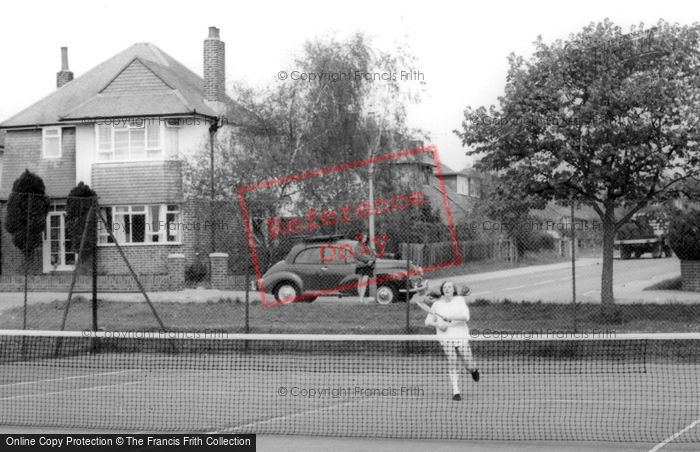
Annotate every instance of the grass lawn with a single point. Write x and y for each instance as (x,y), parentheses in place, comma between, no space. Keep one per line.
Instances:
(352,318)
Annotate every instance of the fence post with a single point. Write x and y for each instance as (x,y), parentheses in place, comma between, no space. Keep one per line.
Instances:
(247,302)
(408,293)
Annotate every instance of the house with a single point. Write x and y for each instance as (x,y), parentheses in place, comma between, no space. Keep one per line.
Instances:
(121,128)
(462,188)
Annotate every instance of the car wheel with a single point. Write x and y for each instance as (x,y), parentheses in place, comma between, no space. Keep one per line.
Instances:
(286,291)
(387,294)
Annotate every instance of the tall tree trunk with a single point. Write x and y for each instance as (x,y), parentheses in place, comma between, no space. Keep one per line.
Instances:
(607,298)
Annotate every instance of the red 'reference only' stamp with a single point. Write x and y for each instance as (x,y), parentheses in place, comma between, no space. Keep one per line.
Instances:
(319,265)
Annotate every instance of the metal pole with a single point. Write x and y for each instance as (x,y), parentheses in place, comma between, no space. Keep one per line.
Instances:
(247,302)
(92,216)
(408,293)
(26,261)
(573,263)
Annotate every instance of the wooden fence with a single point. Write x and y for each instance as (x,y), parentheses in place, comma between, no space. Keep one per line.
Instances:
(430,254)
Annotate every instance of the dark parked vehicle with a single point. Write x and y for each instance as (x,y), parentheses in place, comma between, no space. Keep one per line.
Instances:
(647,232)
(326,267)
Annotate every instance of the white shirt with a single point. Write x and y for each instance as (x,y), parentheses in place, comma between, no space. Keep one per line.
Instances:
(451,310)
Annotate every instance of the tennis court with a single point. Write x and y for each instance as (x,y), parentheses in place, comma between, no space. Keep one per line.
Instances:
(630,390)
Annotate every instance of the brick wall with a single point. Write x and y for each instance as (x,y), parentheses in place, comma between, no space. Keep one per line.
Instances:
(23,151)
(144,259)
(214,67)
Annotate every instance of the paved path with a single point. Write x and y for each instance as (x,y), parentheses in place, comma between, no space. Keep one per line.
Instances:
(552,283)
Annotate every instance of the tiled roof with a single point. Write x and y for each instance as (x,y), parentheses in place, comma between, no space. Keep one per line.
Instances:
(141,80)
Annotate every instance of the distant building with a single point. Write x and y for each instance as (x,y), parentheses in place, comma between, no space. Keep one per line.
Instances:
(461,188)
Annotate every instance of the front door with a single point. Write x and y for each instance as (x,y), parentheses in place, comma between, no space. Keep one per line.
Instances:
(56,250)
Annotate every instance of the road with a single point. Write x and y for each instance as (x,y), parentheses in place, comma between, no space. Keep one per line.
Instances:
(552,283)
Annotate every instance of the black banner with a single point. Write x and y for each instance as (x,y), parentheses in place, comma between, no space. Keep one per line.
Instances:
(127,442)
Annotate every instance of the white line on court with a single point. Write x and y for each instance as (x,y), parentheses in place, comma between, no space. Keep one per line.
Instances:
(75,377)
(674,436)
(292,415)
(89,388)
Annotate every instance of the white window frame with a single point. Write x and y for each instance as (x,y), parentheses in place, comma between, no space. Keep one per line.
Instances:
(161,222)
(59,135)
(132,124)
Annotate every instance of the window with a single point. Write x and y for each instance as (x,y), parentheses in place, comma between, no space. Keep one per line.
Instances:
(156,223)
(51,142)
(475,187)
(137,139)
(463,186)
(309,256)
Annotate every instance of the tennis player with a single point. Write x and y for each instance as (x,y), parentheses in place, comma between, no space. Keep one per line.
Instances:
(451,326)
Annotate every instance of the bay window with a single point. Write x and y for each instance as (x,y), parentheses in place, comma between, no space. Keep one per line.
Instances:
(136,139)
(138,224)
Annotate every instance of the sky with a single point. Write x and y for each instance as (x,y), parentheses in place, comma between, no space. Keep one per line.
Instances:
(461,47)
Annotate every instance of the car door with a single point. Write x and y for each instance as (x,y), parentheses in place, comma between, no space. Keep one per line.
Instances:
(336,266)
(307,264)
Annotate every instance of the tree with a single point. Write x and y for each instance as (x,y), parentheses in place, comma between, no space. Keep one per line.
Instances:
(300,126)
(80,199)
(27,208)
(606,119)
(506,205)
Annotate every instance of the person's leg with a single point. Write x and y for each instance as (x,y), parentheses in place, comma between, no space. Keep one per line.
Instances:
(362,287)
(465,352)
(452,367)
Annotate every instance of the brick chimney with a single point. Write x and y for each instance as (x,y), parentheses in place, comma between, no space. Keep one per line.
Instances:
(65,75)
(214,70)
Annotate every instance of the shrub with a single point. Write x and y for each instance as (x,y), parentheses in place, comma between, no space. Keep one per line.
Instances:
(196,273)
(684,235)
(27,208)
(80,199)
(538,241)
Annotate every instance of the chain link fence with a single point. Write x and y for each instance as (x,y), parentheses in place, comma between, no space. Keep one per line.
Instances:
(261,264)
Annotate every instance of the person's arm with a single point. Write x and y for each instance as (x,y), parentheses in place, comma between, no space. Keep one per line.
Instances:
(436,322)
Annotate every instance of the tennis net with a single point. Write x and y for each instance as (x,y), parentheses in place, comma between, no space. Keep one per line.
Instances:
(615,388)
